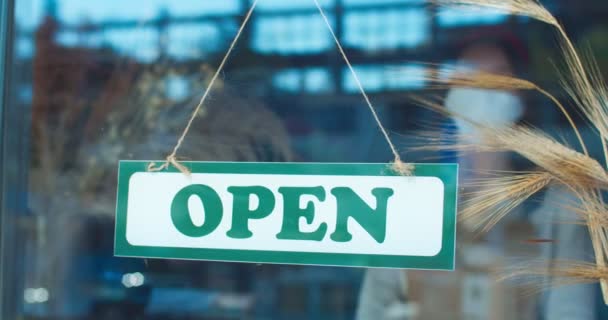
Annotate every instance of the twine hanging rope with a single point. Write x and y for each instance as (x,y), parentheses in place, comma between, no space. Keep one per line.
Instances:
(172,158)
(397,165)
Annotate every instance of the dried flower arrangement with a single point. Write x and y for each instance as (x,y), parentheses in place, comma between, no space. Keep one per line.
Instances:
(558,164)
(87,115)
(131,117)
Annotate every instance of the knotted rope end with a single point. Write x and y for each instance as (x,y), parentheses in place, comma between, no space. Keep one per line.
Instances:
(403,169)
(171,160)
(152,167)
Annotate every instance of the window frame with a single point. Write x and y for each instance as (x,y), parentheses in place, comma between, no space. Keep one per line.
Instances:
(11,169)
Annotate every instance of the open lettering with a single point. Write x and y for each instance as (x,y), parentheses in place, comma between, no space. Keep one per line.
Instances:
(332,214)
(348,203)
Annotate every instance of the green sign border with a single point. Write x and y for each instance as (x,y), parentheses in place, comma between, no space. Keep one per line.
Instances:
(448,173)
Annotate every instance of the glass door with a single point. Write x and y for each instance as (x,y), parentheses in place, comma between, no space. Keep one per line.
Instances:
(86,83)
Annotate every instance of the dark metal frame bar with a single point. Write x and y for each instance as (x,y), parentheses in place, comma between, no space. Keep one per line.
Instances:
(11,200)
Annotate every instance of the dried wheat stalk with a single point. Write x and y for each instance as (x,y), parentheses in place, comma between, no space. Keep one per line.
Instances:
(494,198)
(584,176)
(528,8)
(451,77)
(564,272)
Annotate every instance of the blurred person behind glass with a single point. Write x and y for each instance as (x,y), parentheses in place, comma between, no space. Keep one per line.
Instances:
(384,294)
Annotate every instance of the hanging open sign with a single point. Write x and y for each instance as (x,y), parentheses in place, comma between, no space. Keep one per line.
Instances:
(323,214)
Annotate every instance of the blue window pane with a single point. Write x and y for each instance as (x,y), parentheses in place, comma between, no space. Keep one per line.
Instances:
(313,80)
(291,35)
(193,40)
(408,76)
(387,29)
(370,2)
(68,38)
(289,80)
(376,78)
(318,80)
(24,47)
(371,78)
(455,17)
(29,14)
(274,5)
(84,39)
(141,43)
(73,11)
(177,88)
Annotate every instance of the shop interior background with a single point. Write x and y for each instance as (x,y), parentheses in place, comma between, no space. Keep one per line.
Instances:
(93,82)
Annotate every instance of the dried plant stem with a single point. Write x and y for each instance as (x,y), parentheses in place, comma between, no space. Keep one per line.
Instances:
(595,112)
(591,96)
(568,117)
(593,210)
(445,77)
(485,80)
(528,8)
(566,272)
(496,197)
(567,165)
(599,243)
(594,109)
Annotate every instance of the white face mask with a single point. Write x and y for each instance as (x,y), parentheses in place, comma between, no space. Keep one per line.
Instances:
(492,107)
